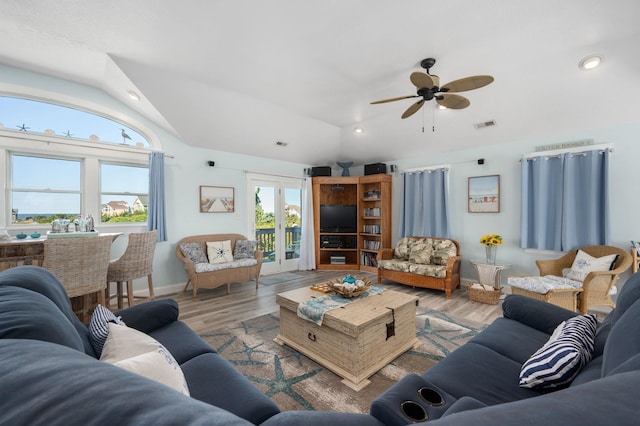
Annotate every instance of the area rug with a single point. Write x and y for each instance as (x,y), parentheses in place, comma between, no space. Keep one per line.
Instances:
(294,382)
(279,278)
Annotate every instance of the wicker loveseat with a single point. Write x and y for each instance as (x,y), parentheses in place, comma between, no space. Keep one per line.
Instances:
(427,262)
(203,274)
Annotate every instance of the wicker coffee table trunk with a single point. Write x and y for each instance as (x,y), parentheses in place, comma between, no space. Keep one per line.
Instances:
(354,341)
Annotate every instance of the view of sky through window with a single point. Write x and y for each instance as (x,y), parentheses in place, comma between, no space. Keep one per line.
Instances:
(24,115)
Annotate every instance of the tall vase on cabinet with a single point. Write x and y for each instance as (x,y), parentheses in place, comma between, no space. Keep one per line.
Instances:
(490,252)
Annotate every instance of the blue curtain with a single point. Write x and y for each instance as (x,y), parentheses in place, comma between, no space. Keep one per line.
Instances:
(565,201)
(424,208)
(156,216)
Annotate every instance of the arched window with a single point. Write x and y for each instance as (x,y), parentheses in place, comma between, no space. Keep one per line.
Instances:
(37,117)
(63,162)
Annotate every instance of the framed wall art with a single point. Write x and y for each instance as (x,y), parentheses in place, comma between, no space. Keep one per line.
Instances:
(484,194)
(216,199)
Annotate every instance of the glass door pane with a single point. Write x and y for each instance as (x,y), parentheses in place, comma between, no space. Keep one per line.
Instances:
(265,221)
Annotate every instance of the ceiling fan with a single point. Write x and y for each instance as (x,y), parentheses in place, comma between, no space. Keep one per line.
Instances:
(429,88)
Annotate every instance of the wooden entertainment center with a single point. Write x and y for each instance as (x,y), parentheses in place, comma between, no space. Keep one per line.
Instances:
(354,248)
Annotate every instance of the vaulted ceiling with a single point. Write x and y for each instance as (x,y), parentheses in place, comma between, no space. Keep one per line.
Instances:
(240,75)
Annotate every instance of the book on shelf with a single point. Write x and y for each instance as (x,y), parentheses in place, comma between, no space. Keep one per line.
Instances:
(369,259)
(371,245)
(372,212)
(371,229)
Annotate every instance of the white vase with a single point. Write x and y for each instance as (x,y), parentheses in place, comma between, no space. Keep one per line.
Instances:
(490,252)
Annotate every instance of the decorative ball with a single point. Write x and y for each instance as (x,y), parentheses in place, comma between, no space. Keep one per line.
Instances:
(35,235)
(349,280)
(21,236)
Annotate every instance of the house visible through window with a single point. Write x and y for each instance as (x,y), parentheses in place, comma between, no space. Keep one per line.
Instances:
(124,193)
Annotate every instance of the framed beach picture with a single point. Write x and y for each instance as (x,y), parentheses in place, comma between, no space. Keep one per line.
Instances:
(216,199)
(484,194)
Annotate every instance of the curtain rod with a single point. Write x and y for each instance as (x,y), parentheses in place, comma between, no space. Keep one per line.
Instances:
(420,169)
(566,150)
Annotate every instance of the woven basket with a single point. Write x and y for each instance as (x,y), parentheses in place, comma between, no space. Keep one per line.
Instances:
(484,296)
(349,294)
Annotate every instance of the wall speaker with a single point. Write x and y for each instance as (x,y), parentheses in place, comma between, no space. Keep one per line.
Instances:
(211,163)
(321,171)
(375,169)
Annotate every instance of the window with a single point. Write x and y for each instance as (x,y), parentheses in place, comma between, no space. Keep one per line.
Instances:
(35,117)
(43,189)
(123,193)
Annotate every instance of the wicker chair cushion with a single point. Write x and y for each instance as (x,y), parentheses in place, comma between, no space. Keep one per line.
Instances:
(139,353)
(194,252)
(219,251)
(443,250)
(542,285)
(208,267)
(244,249)
(559,360)
(99,327)
(403,249)
(421,251)
(585,263)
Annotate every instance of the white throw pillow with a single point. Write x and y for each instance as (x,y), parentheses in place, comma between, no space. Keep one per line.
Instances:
(219,251)
(139,353)
(585,263)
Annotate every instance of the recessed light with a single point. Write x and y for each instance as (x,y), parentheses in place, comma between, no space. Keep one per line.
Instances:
(133,95)
(590,62)
(358,130)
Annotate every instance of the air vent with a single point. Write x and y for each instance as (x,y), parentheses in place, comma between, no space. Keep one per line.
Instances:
(280,143)
(485,124)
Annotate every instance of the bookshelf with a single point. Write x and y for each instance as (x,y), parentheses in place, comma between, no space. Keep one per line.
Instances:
(353,250)
(374,207)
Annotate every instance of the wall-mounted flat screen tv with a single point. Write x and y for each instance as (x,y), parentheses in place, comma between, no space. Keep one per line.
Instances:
(338,218)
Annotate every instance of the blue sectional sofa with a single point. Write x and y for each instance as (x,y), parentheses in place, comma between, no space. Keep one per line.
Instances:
(49,374)
(478,384)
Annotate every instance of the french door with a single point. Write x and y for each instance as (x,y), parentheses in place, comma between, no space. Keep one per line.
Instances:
(275,220)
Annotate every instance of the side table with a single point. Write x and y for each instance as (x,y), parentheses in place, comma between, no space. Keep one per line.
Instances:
(488,273)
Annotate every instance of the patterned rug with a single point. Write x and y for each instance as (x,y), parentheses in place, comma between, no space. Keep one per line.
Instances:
(295,382)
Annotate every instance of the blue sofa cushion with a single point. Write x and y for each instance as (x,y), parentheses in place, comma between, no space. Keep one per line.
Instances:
(205,374)
(559,360)
(181,341)
(150,315)
(47,384)
(481,373)
(25,314)
(624,340)
(44,282)
(629,294)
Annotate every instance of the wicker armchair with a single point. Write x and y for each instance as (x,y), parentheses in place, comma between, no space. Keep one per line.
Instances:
(597,284)
(135,262)
(81,266)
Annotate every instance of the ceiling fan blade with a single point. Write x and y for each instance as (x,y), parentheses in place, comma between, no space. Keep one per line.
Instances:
(399,98)
(413,109)
(468,83)
(422,80)
(453,101)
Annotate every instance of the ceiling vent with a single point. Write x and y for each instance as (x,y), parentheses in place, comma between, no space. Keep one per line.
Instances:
(282,144)
(485,124)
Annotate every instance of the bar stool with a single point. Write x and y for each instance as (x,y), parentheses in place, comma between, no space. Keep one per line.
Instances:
(136,262)
(81,266)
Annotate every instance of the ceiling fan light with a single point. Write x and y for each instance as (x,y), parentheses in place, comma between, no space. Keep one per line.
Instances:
(358,130)
(590,62)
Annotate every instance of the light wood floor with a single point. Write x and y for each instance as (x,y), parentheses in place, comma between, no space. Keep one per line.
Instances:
(214,309)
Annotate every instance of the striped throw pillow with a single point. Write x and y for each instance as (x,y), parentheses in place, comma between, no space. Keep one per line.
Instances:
(99,327)
(559,360)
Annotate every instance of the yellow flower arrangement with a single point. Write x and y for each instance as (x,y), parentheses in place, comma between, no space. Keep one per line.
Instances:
(491,240)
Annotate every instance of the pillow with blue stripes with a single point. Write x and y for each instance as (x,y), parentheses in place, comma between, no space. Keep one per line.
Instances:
(560,360)
(99,327)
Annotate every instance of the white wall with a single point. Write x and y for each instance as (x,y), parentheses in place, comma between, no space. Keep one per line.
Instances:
(467,228)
